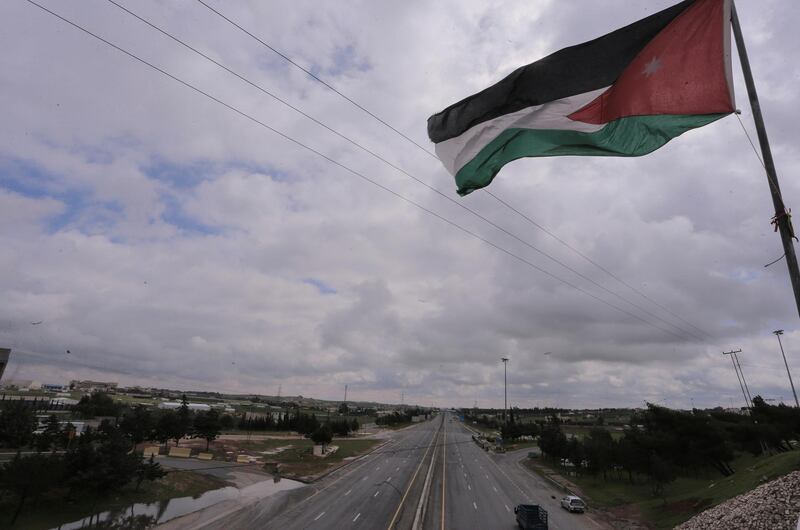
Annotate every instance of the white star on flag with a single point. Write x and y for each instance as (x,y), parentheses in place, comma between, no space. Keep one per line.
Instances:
(652,67)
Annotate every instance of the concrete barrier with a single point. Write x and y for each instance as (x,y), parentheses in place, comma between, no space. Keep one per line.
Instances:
(150,451)
(243,459)
(205,456)
(181,452)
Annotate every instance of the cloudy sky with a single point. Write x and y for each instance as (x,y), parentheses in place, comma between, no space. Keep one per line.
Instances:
(165,240)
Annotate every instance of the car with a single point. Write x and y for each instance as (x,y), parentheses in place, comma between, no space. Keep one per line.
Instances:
(572,503)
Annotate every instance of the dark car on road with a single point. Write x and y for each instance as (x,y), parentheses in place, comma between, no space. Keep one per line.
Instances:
(531,517)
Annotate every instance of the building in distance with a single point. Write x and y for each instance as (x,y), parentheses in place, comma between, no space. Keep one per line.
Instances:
(93,386)
(22,385)
(172,405)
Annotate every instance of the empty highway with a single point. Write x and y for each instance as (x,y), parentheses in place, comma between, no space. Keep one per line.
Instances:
(431,473)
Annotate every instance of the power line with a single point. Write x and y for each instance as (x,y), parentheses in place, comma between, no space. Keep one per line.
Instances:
(316,77)
(404,172)
(350,170)
(590,260)
(433,155)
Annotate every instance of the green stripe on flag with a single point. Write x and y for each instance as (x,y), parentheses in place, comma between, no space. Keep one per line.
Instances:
(632,136)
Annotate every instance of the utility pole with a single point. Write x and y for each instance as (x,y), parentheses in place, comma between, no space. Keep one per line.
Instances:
(736,369)
(505,384)
(5,353)
(778,334)
(782,219)
(747,389)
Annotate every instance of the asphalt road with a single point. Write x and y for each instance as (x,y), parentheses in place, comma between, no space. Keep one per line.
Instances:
(365,494)
(467,488)
(482,489)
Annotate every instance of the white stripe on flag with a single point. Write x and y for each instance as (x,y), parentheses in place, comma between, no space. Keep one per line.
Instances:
(456,152)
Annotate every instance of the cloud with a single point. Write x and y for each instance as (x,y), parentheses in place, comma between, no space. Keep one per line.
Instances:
(167,241)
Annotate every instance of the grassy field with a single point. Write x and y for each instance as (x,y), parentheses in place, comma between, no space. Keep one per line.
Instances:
(520,445)
(686,496)
(53,510)
(296,459)
(581,431)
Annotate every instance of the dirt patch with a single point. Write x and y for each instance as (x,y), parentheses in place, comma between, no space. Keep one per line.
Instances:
(624,517)
(190,483)
(692,505)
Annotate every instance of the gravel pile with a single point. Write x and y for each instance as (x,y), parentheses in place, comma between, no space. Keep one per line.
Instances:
(771,506)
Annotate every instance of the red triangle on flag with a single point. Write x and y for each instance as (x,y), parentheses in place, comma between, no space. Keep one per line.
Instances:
(685,69)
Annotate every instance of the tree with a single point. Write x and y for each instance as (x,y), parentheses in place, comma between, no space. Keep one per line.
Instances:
(599,451)
(32,475)
(17,423)
(661,473)
(343,408)
(226,422)
(50,436)
(184,424)
(138,424)
(148,470)
(575,453)
(103,465)
(322,436)
(552,442)
(97,404)
(207,426)
(165,426)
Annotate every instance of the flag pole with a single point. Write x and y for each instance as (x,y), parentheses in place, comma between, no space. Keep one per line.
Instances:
(782,218)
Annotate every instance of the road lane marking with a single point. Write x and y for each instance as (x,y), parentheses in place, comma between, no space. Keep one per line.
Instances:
(474,505)
(495,489)
(348,493)
(506,505)
(320,515)
(377,493)
(397,468)
(365,478)
(469,487)
(389,478)
(487,476)
(444,475)
(411,483)
(356,517)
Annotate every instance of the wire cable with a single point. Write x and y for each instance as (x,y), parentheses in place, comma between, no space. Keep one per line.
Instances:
(593,262)
(406,173)
(433,155)
(352,171)
(318,79)
(772,183)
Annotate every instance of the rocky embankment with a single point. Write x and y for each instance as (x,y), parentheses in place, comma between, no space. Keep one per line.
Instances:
(771,506)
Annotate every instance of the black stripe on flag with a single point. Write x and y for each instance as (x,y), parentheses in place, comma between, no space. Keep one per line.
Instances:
(574,70)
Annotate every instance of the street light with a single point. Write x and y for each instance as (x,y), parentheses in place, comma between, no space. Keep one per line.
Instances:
(505,381)
(778,333)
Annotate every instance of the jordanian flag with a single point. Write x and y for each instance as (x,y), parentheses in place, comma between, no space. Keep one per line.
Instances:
(623,94)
